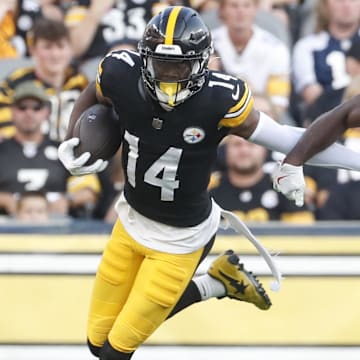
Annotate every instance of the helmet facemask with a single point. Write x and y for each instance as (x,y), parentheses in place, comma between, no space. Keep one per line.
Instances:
(172,78)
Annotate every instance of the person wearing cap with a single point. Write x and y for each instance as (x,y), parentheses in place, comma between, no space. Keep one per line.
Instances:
(52,55)
(31,90)
(30,163)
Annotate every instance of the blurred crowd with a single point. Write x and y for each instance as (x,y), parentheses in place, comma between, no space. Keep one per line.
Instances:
(300,58)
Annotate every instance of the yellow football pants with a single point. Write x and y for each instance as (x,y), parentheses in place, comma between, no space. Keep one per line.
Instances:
(135,290)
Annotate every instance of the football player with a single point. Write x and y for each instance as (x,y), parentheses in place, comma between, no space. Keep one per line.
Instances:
(174,113)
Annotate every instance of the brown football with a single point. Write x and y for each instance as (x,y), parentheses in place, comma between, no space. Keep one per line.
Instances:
(99,131)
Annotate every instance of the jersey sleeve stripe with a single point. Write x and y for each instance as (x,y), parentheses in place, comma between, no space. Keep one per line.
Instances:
(5,114)
(5,99)
(78,81)
(98,78)
(236,109)
(238,117)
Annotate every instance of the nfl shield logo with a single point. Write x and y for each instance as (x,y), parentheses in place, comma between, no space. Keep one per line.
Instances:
(157,123)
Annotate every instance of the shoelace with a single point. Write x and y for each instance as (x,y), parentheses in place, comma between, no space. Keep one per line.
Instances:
(234,222)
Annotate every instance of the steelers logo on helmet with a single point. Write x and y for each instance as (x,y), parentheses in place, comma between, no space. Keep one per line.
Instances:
(175,51)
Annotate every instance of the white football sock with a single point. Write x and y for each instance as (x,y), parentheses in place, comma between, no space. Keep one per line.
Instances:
(209,287)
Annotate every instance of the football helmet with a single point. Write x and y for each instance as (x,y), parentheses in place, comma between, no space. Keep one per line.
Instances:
(175,51)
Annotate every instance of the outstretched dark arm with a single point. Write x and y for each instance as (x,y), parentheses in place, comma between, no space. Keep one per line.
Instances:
(325,130)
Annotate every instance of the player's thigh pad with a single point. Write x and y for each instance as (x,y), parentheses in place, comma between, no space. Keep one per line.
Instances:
(114,280)
(160,282)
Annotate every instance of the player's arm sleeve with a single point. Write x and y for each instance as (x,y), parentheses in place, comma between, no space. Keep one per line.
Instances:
(283,138)
(238,112)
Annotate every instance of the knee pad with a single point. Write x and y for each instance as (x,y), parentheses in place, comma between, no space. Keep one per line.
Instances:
(109,353)
(115,263)
(165,284)
(95,350)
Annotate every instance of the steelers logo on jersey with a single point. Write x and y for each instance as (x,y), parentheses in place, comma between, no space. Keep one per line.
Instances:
(193,135)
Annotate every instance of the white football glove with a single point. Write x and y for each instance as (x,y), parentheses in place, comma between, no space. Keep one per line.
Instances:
(76,165)
(289,180)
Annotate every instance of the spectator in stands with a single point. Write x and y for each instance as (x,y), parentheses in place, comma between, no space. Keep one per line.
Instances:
(343,202)
(319,184)
(352,61)
(333,98)
(251,53)
(266,17)
(94,24)
(17,17)
(319,69)
(341,182)
(276,16)
(123,44)
(51,52)
(352,136)
(7,29)
(54,9)
(297,15)
(247,190)
(29,160)
(208,10)
(23,13)
(32,207)
(306,23)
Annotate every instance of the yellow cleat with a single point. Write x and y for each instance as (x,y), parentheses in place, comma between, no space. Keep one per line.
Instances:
(239,283)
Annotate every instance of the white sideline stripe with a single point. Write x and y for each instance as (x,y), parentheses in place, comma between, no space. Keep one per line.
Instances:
(300,265)
(188,353)
(87,264)
(45,263)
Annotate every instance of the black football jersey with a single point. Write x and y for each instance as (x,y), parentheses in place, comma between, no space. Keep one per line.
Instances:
(31,168)
(168,155)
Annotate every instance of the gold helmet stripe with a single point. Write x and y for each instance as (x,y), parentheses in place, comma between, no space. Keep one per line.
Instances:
(170,27)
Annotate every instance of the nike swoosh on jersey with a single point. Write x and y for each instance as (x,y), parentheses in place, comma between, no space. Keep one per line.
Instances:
(235,95)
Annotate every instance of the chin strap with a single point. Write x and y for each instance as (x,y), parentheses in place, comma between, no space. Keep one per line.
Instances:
(234,222)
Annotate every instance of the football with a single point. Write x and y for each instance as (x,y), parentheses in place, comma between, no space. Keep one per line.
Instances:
(99,131)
